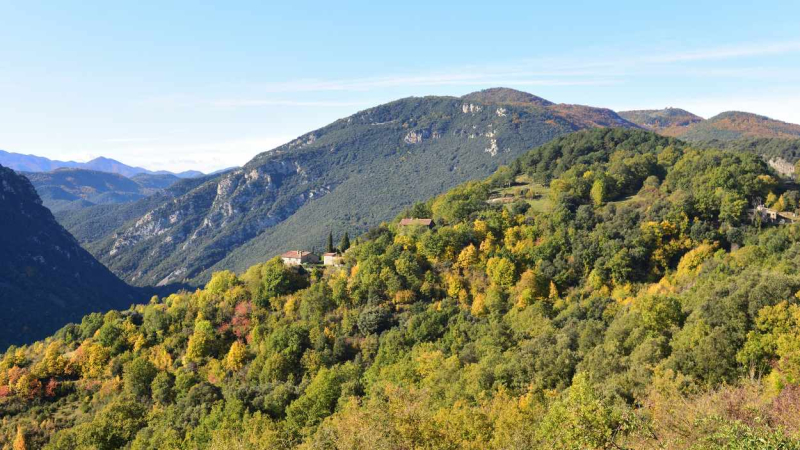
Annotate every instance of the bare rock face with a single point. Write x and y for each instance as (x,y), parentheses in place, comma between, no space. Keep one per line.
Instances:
(416,137)
(492,148)
(782,166)
(221,210)
(471,108)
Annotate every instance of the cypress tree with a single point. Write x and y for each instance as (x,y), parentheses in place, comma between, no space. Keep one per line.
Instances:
(330,243)
(345,244)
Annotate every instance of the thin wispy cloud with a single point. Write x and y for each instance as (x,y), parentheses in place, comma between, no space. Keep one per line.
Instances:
(601,70)
(345,95)
(270,102)
(458,78)
(202,155)
(740,51)
(541,72)
(128,140)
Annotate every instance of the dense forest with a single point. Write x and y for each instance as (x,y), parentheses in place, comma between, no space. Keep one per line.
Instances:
(610,289)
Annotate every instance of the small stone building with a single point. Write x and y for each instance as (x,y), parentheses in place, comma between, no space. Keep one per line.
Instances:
(299,257)
(332,259)
(769,215)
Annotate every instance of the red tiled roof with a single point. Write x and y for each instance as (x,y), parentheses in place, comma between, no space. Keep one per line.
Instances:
(295,254)
(423,222)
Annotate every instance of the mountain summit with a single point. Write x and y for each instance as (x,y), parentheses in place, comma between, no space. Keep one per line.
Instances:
(668,121)
(506,95)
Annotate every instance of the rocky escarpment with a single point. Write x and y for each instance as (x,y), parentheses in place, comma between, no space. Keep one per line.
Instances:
(220,214)
(782,166)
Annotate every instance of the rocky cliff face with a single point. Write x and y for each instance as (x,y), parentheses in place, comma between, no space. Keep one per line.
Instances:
(46,278)
(347,176)
(225,212)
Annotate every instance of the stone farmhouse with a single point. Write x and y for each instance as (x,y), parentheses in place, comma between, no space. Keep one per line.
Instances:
(299,257)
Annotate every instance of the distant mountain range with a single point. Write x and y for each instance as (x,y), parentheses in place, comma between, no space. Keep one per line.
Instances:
(668,121)
(31,163)
(726,126)
(67,188)
(46,278)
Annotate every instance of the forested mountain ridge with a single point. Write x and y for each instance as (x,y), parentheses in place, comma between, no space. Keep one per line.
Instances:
(726,126)
(347,176)
(668,121)
(46,278)
(622,298)
(64,189)
(733,125)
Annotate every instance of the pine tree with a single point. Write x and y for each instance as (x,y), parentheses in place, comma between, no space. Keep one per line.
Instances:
(345,244)
(330,243)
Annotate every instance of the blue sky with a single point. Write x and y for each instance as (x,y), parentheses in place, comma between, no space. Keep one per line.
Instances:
(183,85)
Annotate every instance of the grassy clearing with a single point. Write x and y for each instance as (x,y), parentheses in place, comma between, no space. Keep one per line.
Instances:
(535,194)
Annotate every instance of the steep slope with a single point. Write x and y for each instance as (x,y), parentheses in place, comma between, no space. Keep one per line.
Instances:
(32,163)
(98,221)
(347,176)
(733,125)
(65,188)
(668,121)
(46,278)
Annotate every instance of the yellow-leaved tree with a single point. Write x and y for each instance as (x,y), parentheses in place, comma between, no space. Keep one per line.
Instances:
(237,356)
